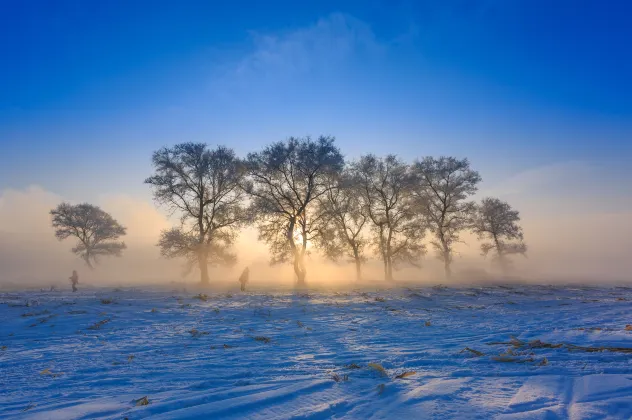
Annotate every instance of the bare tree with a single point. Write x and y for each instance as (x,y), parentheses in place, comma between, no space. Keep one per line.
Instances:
(385,186)
(441,189)
(284,182)
(344,223)
(497,222)
(97,232)
(202,185)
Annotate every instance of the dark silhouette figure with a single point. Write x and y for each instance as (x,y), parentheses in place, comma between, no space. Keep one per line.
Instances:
(74,279)
(243,279)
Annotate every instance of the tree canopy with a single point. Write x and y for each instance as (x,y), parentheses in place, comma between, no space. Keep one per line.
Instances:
(496,222)
(96,231)
(385,187)
(342,229)
(203,187)
(284,182)
(441,189)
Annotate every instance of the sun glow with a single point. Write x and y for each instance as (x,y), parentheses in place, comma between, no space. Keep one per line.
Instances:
(298,239)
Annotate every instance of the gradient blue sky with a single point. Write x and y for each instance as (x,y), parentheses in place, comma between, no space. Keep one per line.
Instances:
(89,89)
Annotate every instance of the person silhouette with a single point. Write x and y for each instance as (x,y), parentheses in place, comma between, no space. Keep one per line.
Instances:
(74,279)
(243,279)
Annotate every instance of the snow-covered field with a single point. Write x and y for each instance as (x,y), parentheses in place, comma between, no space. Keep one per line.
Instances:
(97,353)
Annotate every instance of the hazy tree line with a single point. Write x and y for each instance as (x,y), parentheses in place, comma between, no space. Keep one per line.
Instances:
(301,194)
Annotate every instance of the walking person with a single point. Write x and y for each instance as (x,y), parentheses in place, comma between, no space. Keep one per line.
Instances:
(74,279)
(243,279)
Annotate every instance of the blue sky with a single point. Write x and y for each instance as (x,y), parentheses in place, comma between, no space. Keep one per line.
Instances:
(88,90)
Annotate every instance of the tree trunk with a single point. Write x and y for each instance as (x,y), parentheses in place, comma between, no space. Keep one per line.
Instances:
(358,264)
(447,268)
(447,260)
(299,269)
(300,279)
(389,253)
(203,264)
(502,262)
(390,270)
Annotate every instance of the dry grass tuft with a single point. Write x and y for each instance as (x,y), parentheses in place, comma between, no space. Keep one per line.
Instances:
(379,299)
(47,372)
(76,312)
(153,310)
(196,333)
(378,368)
(628,327)
(99,324)
(29,314)
(474,352)
(262,312)
(130,358)
(263,339)
(28,407)
(226,346)
(3,348)
(42,320)
(141,401)
(537,344)
(572,347)
(107,301)
(427,324)
(380,389)
(352,366)
(508,359)
(201,297)
(338,378)
(406,374)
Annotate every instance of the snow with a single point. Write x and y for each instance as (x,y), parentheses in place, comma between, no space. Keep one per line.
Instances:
(195,358)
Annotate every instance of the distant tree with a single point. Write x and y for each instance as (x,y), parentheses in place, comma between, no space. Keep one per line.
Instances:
(497,222)
(441,189)
(96,231)
(285,180)
(343,223)
(202,186)
(385,187)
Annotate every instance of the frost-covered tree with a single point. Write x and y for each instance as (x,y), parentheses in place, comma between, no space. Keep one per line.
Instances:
(384,185)
(496,222)
(201,186)
(285,180)
(442,187)
(96,231)
(342,228)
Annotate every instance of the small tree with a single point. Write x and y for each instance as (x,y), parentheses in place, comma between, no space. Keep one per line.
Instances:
(284,182)
(344,222)
(385,187)
(96,231)
(497,222)
(441,188)
(203,186)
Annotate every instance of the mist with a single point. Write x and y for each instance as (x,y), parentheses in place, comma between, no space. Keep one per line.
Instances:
(572,246)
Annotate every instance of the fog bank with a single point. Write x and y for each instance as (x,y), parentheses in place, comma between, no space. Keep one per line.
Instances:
(564,246)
